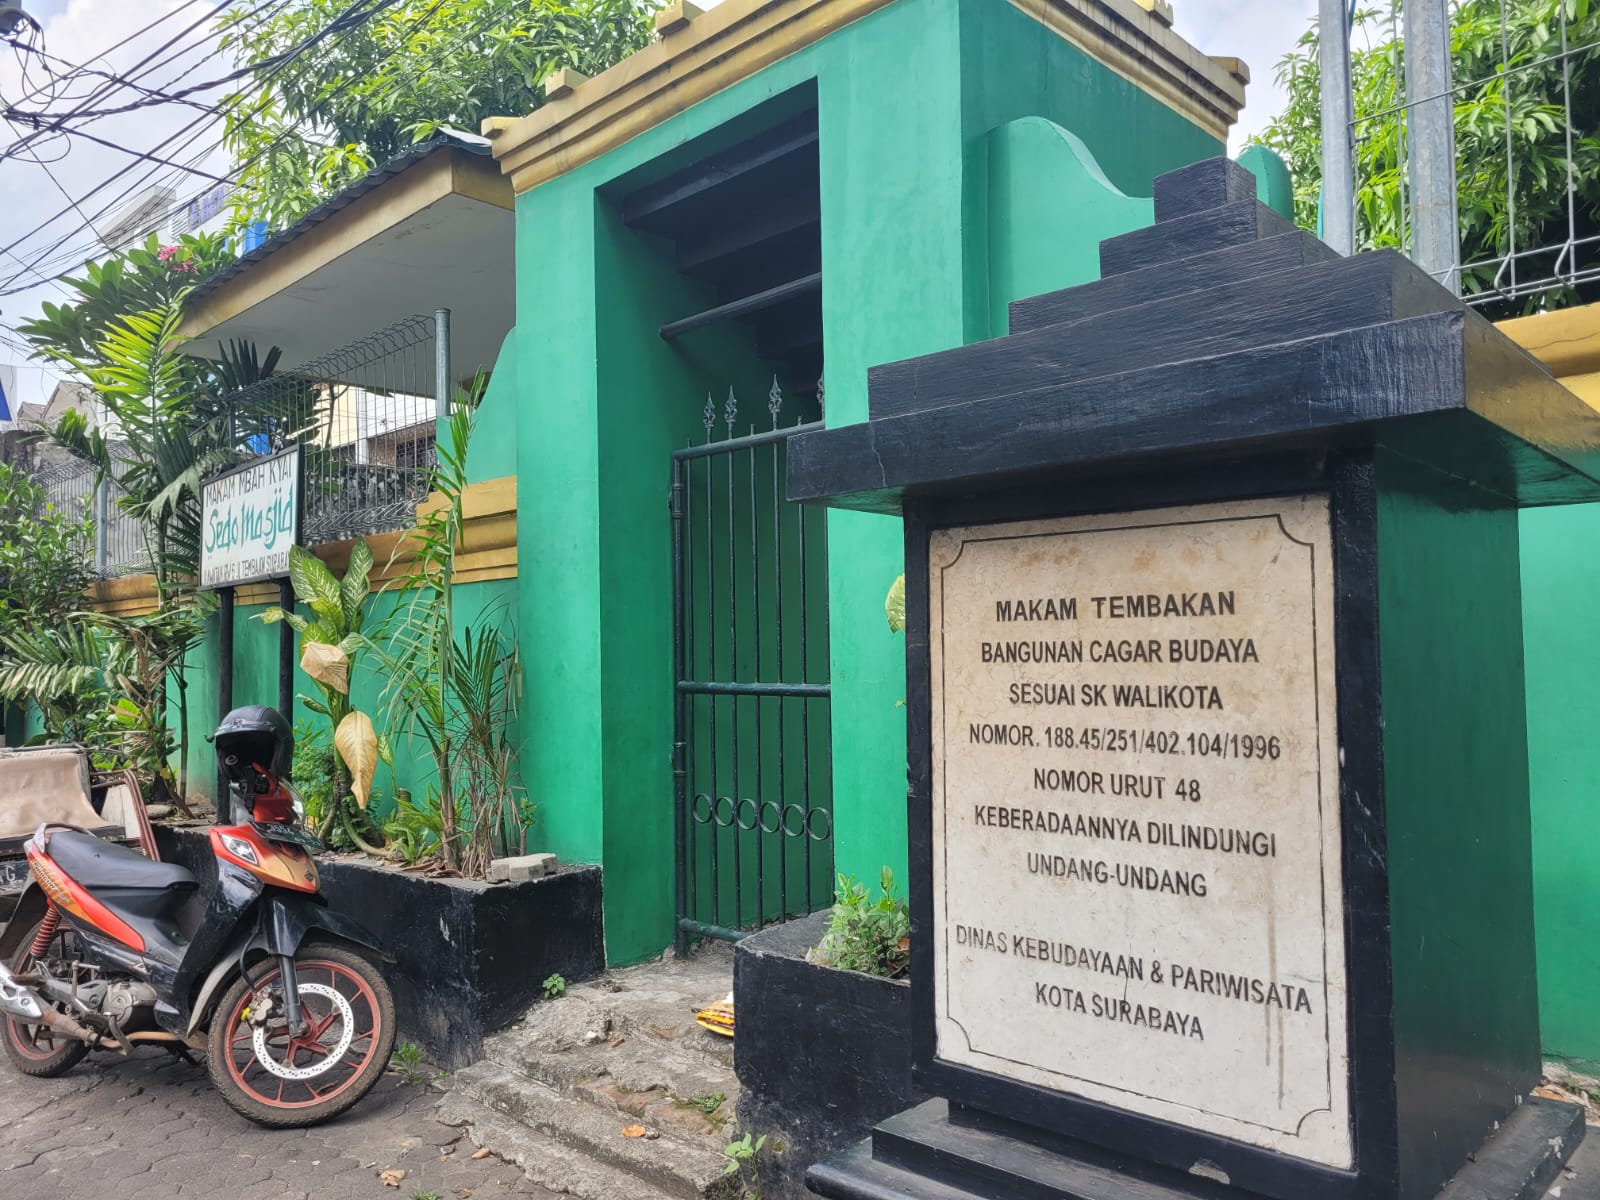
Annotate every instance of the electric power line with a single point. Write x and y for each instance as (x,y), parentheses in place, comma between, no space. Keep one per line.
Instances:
(356,6)
(105,89)
(8,288)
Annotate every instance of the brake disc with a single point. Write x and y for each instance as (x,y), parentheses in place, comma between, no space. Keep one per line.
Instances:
(347,1034)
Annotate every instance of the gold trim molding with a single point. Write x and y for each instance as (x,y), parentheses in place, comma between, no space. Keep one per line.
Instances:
(705,52)
(488,551)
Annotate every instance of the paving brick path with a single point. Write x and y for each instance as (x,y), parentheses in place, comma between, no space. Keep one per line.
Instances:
(152,1128)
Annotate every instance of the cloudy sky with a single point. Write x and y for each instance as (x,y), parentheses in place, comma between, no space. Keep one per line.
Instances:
(82,31)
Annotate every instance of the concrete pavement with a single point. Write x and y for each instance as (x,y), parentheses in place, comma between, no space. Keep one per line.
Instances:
(152,1128)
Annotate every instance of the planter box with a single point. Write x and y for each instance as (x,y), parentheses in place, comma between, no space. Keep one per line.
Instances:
(822,1055)
(469,956)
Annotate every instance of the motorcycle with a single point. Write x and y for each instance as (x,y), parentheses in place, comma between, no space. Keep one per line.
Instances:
(284,996)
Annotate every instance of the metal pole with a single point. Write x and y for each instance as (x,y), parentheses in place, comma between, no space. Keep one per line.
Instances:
(441,351)
(286,653)
(102,509)
(1338,171)
(224,690)
(1430,109)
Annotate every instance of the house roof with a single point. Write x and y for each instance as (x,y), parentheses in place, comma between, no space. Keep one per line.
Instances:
(430,229)
(369,182)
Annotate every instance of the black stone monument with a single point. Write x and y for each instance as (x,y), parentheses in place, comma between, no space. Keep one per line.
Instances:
(1219,834)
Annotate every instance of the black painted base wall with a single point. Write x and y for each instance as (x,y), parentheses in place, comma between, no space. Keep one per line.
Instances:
(822,1055)
(469,956)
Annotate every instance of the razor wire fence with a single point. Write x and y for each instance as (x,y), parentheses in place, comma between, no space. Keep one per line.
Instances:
(1524,173)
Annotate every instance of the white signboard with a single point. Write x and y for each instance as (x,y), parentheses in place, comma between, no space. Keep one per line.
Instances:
(251,518)
(1136,881)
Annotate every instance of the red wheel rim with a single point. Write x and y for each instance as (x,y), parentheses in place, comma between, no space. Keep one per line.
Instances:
(37,1043)
(323,1031)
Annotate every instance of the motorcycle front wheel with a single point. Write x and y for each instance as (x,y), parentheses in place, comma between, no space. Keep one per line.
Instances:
(284,1080)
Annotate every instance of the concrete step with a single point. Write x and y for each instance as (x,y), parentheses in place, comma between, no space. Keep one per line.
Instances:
(544,1160)
(687,1169)
(656,1001)
(642,1078)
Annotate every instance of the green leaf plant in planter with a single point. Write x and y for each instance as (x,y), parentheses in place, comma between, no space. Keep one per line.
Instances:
(870,934)
(330,639)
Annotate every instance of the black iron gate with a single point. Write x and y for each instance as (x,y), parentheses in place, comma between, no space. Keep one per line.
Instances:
(752,755)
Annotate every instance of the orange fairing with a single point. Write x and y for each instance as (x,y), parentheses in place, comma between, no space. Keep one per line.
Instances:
(73,900)
(274,862)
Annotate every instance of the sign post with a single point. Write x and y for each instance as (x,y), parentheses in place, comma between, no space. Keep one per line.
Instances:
(251,516)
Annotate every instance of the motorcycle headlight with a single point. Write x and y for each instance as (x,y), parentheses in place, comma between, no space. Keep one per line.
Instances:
(240,848)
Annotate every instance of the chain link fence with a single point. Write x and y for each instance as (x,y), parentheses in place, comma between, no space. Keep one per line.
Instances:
(1525,113)
(69,485)
(364,415)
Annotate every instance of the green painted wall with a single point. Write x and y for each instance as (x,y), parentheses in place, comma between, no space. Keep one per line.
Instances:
(907,239)
(1455,764)
(1560,580)
(1033,165)
(255,681)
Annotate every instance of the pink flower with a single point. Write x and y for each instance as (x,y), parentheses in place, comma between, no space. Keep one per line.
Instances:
(167,253)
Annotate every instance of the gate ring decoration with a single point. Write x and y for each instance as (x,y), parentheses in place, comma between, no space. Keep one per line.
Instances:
(811,817)
(694,809)
(777,810)
(800,830)
(755,813)
(724,821)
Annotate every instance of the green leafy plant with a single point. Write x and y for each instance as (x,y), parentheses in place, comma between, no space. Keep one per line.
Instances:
(145,278)
(709,1104)
(743,1156)
(866,933)
(554,986)
(413,831)
(420,1195)
(330,640)
(101,679)
(409,70)
(407,1062)
(894,605)
(44,554)
(1529,91)
(455,690)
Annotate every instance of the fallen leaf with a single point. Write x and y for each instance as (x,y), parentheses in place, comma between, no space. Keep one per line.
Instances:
(635,1131)
(482,1153)
(391,1178)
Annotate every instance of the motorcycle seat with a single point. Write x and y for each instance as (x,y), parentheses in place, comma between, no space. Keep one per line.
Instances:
(93,862)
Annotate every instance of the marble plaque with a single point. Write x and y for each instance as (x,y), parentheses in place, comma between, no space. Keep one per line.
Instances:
(1136,876)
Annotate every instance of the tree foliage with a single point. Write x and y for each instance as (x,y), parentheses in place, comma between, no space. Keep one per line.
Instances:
(44,554)
(1523,106)
(357,98)
(136,280)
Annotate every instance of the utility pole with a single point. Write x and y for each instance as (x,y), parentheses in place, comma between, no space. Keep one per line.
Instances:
(1338,170)
(1431,136)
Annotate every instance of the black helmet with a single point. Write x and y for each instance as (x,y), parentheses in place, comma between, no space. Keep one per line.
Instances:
(254,735)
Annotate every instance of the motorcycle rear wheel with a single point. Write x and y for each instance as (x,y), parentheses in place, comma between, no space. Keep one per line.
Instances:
(284,1081)
(37,1050)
